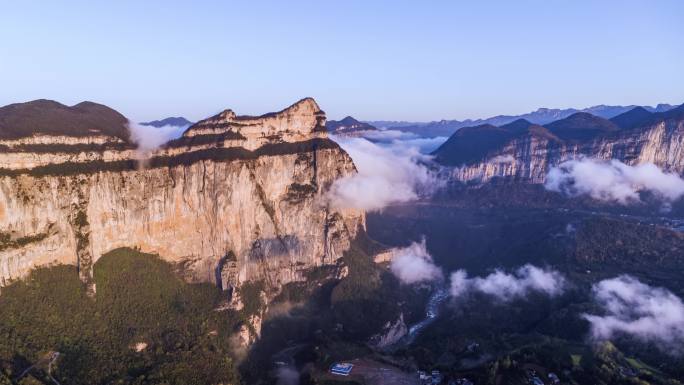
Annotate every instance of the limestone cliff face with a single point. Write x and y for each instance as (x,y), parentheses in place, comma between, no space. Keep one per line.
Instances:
(529,157)
(235,199)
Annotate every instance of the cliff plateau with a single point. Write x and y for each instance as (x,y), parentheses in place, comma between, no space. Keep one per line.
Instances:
(236,199)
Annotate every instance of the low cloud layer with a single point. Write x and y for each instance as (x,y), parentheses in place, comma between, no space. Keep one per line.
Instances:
(413,264)
(647,313)
(509,286)
(149,138)
(386,175)
(287,376)
(613,180)
(406,139)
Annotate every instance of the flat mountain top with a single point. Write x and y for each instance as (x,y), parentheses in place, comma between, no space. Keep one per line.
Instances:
(48,117)
(176,121)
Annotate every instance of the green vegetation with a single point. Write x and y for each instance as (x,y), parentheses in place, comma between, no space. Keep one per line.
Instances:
(6,241)
(139,301)
(297,192)
(187,158)
(250,293)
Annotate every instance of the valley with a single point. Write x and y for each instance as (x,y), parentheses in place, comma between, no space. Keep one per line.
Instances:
(230,235)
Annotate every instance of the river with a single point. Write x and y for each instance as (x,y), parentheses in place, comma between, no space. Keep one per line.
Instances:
(431,313)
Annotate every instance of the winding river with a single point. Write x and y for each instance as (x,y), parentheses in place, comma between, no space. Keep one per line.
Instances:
(431,313)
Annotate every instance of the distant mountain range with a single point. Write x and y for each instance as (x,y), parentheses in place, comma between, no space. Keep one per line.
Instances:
(523,150)
(541,116)
(172,121)
(348,126)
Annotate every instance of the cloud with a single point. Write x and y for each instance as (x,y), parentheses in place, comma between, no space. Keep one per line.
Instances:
(389,135)
(413,264)
(287,376)
(506,287)
(647,313)
(406,139)
(386,175)
(613,180)
(149,138)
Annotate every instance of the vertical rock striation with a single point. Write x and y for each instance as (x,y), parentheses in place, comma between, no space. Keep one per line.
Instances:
(234,199)
(522,151)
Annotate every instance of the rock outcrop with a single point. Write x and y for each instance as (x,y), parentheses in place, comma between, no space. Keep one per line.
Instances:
(236,198)
(522,151)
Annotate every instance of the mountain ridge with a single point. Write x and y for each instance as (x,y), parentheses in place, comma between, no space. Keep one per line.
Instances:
(485,152)
(540,116)
(177,121)
(349,126)
(48,117)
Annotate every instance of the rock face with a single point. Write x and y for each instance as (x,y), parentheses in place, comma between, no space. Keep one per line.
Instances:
(522,151)
(235,199)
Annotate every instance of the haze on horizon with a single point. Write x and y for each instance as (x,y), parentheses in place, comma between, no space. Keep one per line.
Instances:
(380,60)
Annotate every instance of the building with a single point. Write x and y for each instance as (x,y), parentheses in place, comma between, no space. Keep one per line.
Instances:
(341,368)
(553,378)
(436,377)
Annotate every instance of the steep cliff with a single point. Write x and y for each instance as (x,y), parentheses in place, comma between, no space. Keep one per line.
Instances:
(524,151)
(236,199)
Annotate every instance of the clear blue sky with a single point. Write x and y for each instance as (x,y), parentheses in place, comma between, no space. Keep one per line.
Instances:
(398,60)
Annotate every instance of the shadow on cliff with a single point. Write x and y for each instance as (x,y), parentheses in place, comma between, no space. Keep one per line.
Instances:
(329,316)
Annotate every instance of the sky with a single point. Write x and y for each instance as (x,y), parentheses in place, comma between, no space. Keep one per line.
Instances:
(392,60)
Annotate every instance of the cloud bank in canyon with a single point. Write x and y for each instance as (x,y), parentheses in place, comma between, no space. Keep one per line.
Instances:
(509,286)
(386,175)
(613,180)
(149,138)
(413,264)
(630,307)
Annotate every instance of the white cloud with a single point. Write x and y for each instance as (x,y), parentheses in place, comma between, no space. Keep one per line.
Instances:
(389,135)
(413,264)
(613,180)
(424,145)
(386,175)
(149,138)
(405,139)
(287,376)
(507,287)
(647,313)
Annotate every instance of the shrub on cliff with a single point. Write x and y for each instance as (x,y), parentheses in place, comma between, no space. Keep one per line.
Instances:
(144,325)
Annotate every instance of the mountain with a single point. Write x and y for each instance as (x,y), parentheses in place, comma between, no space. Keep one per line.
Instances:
(581,126)
(541,116)
(236,200)
(392,123)
(524,151)
(633,118)
(471,144)
(348,127)
(53,119)
(172,121)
